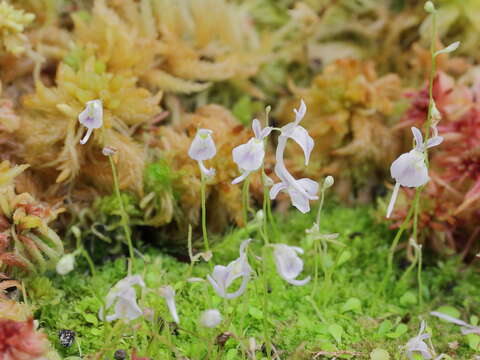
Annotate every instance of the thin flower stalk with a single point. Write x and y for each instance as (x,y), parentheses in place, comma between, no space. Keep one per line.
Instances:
(430,124)
(203,148)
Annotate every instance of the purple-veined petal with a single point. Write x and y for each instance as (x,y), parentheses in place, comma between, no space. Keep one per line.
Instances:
(265,132)
(249,156)
(92,116)
(410,169)
(299,200)
(310,186)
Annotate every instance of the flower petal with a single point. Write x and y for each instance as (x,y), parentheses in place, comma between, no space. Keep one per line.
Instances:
(434,141)
(276,189)
(202,147)
(300,113)
(417,134)
(241,177)
(257,128)
(310,186)
(249,156)
(299,200)
(301,137)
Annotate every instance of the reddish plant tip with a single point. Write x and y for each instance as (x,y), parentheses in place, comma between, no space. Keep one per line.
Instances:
(135,357)
(20,341)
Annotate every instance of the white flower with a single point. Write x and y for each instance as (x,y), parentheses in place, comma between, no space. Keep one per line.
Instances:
(410,169)
(203,148)
(124,296)
(300,192)
(249,156)
(417,344)
(66,264)
(210,318)
(289,265)
(91,117)
(223,276)
(169,294)
(303,190)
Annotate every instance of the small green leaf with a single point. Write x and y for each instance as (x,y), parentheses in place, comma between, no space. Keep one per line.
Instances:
(408,299)
(352,304)
(92,319)
(473,341)
(344,257)
(474,320)
(399,331)
(379,354)
(385,327)
(231,354)
(336,331)
(449,310)
(255,313)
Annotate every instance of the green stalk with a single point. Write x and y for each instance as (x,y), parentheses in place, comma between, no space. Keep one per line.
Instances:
(123,214)
(204,213)
(245,199)
(268,344)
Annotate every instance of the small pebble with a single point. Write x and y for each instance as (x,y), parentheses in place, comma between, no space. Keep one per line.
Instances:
(66,337)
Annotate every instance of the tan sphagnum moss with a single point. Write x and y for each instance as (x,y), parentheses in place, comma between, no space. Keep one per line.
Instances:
(52,133)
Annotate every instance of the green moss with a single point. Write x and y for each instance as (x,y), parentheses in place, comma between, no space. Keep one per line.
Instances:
(347,315)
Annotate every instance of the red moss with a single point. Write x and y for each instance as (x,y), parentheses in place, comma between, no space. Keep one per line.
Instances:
(20,341)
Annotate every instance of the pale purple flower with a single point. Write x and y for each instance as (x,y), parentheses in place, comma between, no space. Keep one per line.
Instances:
(124,297)
(410,169)
(210,318)
(91,117)
(224,276)
(465,328)
(303,190)
(169,294)
(249,157)
(203,148)
(417,344)
(288,263)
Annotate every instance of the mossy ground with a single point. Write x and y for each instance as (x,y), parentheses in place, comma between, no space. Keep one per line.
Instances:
(348,316)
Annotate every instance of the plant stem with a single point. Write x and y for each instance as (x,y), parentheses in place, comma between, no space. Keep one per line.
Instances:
(245,199)
(268,344)
(419,276)
(204,213)
(123,214)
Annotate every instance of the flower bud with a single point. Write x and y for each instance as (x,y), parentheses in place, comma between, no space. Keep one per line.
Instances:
(210,318)
(328,182)
(429,7)
(66,264)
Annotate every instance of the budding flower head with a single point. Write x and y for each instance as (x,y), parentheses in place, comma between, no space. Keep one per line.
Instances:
(66,264)
(429,7)
(328,182)
(210,318)
(91,117)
